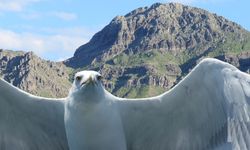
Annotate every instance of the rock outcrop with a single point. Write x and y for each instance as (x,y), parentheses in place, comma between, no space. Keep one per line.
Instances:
(35,75)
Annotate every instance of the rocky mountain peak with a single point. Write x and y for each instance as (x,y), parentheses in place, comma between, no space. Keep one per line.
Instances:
(171,27)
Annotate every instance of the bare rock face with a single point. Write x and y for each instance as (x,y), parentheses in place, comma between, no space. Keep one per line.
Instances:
(35,75)
(241,60)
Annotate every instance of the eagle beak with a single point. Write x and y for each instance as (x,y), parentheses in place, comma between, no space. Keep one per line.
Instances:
(92,79)
(89,80)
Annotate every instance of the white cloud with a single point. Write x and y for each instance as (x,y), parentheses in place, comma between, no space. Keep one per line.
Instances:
(19,6)
(30,15)
(15,5)
(54,46)
(64,15)
(72,31)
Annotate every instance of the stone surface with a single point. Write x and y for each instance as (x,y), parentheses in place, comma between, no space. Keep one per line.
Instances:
(35,75)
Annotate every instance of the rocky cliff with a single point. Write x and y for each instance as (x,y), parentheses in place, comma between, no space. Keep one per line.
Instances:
(35,75)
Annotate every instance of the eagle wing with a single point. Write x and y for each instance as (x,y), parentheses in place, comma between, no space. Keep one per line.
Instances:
(28,122)
(208,109)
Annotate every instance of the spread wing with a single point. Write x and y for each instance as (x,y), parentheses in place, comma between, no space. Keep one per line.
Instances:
(28,122)
(209,109)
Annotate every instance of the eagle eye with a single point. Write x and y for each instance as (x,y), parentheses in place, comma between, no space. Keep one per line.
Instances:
(78,78)
(99,77)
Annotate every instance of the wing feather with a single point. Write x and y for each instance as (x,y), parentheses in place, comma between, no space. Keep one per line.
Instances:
(209,109)
(28,122)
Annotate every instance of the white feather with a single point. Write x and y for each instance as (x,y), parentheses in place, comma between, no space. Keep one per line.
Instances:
(91,118)
(29,122)
(209,109)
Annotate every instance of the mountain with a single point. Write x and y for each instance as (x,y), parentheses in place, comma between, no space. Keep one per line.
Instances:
(173,28)
(33,74)
(148,50)
(143,53)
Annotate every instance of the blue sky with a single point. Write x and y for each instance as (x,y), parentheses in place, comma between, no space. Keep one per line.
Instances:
(53,29)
